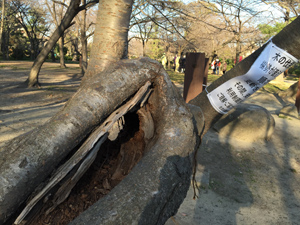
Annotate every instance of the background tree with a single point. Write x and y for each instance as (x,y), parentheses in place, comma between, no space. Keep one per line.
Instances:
(73,9)
(32,21)
(57,11)
(2,23)
(289,9)
(111,35)
(23,20)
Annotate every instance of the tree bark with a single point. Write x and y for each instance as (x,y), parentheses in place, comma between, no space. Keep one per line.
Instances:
(61,52)
(83,38)
(71,12)
(157,185)
(26,161)
(2,23)
(110,38)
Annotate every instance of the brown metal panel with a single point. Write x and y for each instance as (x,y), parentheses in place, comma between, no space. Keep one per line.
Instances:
(196,70)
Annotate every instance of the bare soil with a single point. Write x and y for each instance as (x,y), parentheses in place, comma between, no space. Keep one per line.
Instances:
(240,182)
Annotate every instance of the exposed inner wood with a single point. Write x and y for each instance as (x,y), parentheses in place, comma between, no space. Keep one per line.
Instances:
(85,155)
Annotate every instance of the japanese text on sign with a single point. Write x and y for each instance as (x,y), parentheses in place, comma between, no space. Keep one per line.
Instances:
(270,63)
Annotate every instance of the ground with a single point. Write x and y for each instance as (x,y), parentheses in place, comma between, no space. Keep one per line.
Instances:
(240,182)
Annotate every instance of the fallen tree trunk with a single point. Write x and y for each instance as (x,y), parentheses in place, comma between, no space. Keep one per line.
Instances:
(27,160)
(157,185)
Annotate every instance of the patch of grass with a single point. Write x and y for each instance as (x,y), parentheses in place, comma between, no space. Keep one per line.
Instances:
(212,77)
(293,77)
(176,77)
(179,77)
(275,88)
(2,66)
(284,117)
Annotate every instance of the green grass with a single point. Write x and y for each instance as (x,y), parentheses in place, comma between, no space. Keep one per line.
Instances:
(179,77)
(176,77)
(273,88)
(292,77)
(211,78)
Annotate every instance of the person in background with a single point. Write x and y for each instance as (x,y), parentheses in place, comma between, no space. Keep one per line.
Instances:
(177,64)
(224,67)
(182,63)
(213,66)
(217,66)
(164,61)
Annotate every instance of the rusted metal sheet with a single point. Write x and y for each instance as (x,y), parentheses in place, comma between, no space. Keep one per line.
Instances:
(196,71)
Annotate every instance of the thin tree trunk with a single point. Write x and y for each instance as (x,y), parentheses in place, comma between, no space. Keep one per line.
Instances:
(71,12)
(61,52)
(83,39)
(2,23)
(111,35)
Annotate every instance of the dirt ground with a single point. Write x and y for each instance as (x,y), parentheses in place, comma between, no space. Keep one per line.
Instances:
(240,183)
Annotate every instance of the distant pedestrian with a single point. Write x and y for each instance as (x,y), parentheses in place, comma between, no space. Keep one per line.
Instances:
(224,67)
(217,66)
(213,66)
(182,63)
(164,61)
(177,64)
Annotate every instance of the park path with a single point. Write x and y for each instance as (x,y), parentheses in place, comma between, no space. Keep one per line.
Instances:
(22,109)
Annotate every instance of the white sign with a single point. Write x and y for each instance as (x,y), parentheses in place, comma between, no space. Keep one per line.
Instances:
(270,63)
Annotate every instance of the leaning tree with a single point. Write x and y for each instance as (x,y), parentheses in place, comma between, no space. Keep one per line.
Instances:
(73,9)
(159,155)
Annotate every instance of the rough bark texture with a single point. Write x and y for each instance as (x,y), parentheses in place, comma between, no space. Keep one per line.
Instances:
(72,11)
(157,185)
(111,32)
(26,161)
(61,52)
(83,39)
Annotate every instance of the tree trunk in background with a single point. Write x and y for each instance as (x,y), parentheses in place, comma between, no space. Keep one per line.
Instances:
(71,12)
(111,35)
(5,44)
(61,52)
(74,48)
(2,24)
(83,38)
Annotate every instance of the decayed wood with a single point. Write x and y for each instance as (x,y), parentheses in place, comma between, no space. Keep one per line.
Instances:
(91,147)
(28,160)
(157,184)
